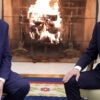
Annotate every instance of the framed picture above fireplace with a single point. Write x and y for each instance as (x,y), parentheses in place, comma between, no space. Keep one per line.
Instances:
(58,31)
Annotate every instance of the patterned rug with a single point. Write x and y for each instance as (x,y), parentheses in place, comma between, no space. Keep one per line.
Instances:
(46,89)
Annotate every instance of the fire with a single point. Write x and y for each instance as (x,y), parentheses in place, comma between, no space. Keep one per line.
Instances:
(44,20)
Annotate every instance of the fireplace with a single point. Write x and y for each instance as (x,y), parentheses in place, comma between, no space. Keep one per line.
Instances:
(49,30)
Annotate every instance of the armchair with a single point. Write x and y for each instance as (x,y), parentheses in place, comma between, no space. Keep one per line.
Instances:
(93,94)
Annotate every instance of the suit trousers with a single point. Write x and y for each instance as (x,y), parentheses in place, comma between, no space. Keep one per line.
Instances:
(15,87)
(87,80)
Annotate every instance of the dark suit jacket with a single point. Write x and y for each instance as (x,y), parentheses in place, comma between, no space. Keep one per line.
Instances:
(5,56)
(93,50)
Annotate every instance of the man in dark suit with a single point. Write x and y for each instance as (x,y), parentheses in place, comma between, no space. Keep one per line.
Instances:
(11,83)
(75,79)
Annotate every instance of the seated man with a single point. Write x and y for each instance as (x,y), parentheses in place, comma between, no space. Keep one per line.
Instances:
(11,83)
(75,79)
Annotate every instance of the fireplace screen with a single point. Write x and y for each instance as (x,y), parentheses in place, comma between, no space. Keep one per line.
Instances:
(49,30)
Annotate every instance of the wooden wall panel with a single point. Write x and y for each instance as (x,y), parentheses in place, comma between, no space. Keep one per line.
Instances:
(90,19)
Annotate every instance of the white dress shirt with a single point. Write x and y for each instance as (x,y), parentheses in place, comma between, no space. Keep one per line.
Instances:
(2,79)
(78,67)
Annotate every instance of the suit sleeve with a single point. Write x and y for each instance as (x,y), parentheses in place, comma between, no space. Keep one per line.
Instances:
(91,52)
(6,57)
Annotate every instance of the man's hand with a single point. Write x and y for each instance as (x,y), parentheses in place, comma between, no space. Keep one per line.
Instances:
(1,89)
(73,72)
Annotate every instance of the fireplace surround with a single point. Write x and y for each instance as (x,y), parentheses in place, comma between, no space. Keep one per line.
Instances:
(77,19)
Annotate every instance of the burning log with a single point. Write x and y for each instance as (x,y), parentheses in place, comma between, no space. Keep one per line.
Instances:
(43,26)
(52,17)
(45,30)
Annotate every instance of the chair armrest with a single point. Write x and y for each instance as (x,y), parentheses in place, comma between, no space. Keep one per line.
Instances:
(90,66)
